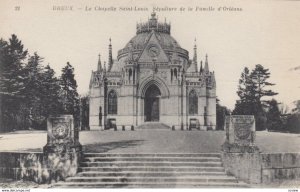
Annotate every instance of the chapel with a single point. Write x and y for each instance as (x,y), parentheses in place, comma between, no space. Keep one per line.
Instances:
(152,80)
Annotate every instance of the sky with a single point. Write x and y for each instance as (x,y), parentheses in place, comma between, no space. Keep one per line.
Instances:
(263,32)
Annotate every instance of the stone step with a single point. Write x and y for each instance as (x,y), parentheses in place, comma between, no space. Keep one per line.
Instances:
(99,170)
(150,164)
(153,155)
(181,179)
(152,169)
(147,174)
(149,185)
(153,125)
(151,159)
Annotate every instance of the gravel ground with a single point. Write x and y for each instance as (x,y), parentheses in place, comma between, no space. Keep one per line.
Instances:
(150,141)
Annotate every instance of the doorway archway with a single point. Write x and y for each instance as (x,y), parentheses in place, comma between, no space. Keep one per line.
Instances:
(152,103)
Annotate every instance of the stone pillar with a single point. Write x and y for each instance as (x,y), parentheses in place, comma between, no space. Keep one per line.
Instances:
(63,151)
(239,154)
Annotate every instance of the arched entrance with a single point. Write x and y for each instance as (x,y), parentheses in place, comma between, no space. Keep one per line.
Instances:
(151,103)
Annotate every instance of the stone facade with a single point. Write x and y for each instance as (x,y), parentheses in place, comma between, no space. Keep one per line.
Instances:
(153,79)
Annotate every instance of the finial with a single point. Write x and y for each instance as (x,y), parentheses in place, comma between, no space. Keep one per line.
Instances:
(195,55)
(110,60)
(206,69)
(201,67)
(153,14)
(99,63)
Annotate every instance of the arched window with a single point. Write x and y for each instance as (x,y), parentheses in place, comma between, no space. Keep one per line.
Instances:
(133,76)
(175,73)
(193,103)
(130,74)
(112,103)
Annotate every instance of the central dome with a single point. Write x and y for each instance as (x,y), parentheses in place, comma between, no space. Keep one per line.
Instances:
(144,31)
(165,40)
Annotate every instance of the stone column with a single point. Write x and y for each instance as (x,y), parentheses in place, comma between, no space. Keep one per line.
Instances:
(62,152)
(239,154)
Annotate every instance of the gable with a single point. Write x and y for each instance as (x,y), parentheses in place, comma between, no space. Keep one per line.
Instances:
(153,50)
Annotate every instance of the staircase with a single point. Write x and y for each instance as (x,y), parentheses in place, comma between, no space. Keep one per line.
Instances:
(99,170)
(153,125)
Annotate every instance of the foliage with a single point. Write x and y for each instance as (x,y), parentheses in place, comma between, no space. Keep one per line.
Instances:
(293,123)
(297,107)
(68,93)
(12,57)
(84,105)
(274,120)
(222,111)
(252,89)
(29,91)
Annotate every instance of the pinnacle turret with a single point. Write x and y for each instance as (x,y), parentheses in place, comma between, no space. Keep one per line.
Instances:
(104,68)
(99,64)
(201,67)
(110,60)
(195,57)
(206,69)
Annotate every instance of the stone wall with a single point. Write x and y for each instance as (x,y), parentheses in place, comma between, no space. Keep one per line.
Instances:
(60,158)
(26,166)
(244,166)
(265,168)
(280,166)
(37,167)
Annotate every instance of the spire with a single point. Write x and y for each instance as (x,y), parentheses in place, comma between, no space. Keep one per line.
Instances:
(206,69)
(201,68)
(195,55)
(110,61)
(99,63)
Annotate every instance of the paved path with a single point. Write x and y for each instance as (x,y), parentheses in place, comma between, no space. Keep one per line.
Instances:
(147,141)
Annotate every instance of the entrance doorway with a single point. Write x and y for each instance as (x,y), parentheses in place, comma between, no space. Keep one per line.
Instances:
(151,103)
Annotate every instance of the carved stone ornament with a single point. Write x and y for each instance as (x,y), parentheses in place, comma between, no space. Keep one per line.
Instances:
(60,130)
(153,51)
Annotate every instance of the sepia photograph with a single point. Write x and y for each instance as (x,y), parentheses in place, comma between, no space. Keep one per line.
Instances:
(139,94)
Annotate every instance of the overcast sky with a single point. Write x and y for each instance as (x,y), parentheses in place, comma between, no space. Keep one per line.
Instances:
(264,33)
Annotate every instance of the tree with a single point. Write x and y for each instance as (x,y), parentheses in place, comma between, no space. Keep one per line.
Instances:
(259,78)
(69,96)
(32,106)
(274,121)
(42,92)
(84,106)
(297,107)
(293,123)
(244,106)
(222,111)
(12,77)
(29,92)
(51,91)
(245,88)
(252,88)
